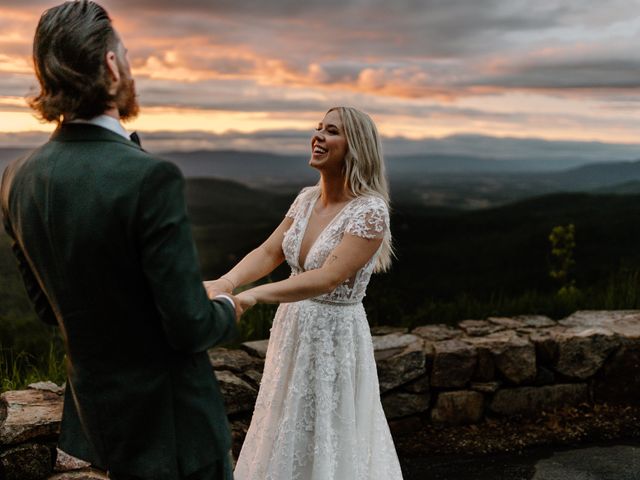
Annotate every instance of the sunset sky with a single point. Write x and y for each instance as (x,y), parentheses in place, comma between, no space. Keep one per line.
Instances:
(260,74)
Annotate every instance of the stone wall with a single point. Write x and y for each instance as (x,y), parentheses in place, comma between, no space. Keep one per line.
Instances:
(480,370)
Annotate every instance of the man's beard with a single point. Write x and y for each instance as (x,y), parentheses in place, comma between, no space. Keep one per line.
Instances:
(126,99)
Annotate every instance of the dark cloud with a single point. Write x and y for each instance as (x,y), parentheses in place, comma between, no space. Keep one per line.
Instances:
(17,85)
(245,96)
(420,29)
(222,95)
(23,139)
(297,142)
(518,148)
(592,74)
(405,47)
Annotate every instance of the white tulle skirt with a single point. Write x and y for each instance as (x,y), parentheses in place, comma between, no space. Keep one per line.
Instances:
(318,414)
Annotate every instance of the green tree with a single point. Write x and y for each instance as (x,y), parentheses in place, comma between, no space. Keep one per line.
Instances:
(563,244)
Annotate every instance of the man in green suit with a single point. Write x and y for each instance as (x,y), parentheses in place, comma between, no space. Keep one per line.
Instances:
(104,246)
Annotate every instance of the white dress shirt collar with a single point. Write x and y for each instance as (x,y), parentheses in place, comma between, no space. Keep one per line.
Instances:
(105,121)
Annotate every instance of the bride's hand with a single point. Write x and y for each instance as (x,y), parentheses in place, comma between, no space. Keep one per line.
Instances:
(216,287)
(246,299)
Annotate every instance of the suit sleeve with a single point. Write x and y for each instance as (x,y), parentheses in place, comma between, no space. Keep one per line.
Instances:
(34,291)
(191,321)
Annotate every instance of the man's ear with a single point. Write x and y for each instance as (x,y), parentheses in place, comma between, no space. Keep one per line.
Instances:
(114,71)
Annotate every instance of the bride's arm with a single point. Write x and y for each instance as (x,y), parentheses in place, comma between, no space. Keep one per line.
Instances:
(256,264)
(351,254)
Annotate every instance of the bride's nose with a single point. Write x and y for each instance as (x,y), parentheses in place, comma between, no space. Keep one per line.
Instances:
(317,135)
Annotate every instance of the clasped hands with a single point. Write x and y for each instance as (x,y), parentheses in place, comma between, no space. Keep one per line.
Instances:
(223,286)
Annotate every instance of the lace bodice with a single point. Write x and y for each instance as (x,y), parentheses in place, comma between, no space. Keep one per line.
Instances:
(364,216)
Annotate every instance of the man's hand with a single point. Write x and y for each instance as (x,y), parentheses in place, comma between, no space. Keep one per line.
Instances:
(216,287)
(237,304)
(240,308)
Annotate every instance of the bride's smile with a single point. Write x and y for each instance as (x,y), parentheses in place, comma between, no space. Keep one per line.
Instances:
(328,144)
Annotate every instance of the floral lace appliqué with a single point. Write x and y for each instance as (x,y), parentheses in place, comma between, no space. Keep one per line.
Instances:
(366,217)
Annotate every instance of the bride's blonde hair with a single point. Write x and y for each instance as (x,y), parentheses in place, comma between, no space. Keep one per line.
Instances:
(365,173)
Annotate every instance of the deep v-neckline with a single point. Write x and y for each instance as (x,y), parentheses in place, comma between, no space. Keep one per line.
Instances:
(307,217)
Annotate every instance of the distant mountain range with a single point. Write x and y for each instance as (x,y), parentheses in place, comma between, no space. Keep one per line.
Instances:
(463,182)
(265,169)
(596,176)
(627,188)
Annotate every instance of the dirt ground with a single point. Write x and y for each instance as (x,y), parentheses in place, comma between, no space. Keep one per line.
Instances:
(564,427)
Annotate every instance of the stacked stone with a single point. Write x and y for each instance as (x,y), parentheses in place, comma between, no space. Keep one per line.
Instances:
(498,367)
(509,366)
(494,367)
(29,429)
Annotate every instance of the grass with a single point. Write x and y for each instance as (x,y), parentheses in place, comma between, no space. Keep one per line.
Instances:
(255,324)
(618,292)
(18,370)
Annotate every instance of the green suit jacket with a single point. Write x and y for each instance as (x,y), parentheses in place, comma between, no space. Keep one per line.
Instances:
(105,249)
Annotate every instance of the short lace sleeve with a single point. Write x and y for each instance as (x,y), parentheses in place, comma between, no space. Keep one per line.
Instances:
(298,203)
(370,218)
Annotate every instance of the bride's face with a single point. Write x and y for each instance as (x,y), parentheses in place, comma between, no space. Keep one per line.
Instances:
(329,144)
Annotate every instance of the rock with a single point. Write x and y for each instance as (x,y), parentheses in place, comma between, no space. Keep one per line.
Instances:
(544,377)
(546,344)
(47,386)
(66,462)
(239,428)
(624,323)
(536,321)
(400,404)
(619,380)
(85,474)
(419,385)
(485,369)
(383,330)
(437,333)
(239,396)
(453,364)
(257,348)
(429,349)
(485,387)
(234,360)
(516,361)
(458,408)
(255,376)
(506,322)
(478,328)
(26,462)
(514,356)
(401,368)
(29,414)
(525,331)
(532,400)
(581,352)
(393,341)
(380,355)
(387,346)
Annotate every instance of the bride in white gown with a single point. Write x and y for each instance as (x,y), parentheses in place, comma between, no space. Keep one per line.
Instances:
(318,414)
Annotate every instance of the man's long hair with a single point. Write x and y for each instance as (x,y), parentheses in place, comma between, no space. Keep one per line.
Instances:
(69,50)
